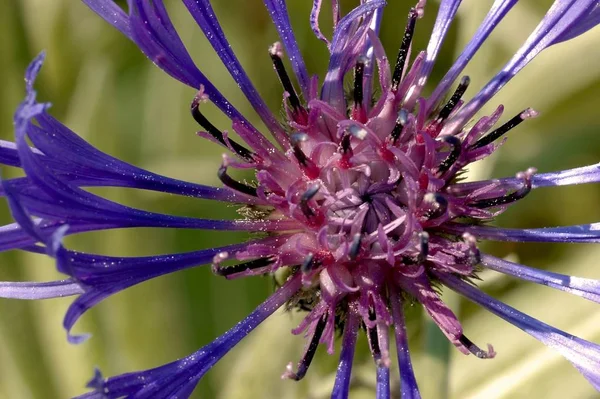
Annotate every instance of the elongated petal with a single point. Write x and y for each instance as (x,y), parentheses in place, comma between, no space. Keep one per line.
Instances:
(204,15)
(74,159)
(583,287)
(446,14)
(497,12)
(39,290)
(180,377)
(591,20)
(584,355)
(152,31)
(279,14)
(408,382)
(576,233)
(112,14)
(341,387)
(102,276)
(581,175)
(43,193)
(560,19)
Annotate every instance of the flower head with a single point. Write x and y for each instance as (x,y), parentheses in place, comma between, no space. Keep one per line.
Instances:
(358,199)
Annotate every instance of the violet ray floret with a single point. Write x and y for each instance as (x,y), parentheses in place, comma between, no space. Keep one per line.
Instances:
(359,203)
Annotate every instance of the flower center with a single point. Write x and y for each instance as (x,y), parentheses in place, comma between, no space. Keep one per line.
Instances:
(373,186)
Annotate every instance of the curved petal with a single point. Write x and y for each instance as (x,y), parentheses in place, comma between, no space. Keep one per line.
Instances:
(342,51)
(180,377)
(103,276)
(583,287)
(584,355)
(576,234)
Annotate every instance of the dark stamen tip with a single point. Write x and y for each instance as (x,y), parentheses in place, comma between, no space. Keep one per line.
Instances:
(308,263)
(452,157)
(458,93)
(306,360)
(307,196)
(502,130)
(512,197)
(423,246)
(477,351)
(242,267)
(401,121)
(216,133)
(234,184)
(355,246)
(404,46)
(359,70)
(439,202)
(345,145)
(276,53)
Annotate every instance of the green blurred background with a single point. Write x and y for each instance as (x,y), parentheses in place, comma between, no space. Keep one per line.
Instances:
(102,87)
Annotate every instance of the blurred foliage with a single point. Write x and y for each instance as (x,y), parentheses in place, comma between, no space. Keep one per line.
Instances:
(102,87)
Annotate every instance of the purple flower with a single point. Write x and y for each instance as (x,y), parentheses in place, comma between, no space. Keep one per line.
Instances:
(357,197)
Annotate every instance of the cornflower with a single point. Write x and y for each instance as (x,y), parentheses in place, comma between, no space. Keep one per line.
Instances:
(357,199)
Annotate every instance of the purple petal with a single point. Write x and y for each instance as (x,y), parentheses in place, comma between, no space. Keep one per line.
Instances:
(112,14)
(408,382)
(445,16)
(178,379)
(341,387)
(279,14)
(576,234)
(370,54)
(37,290)
(342,52)
(583,25)
(584,355)
(383,383)
(204,15)
(152,31)
(103,276)
(45,194)
(583,287)
(497,12)
(581,175)
(562,16)
(68,154)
